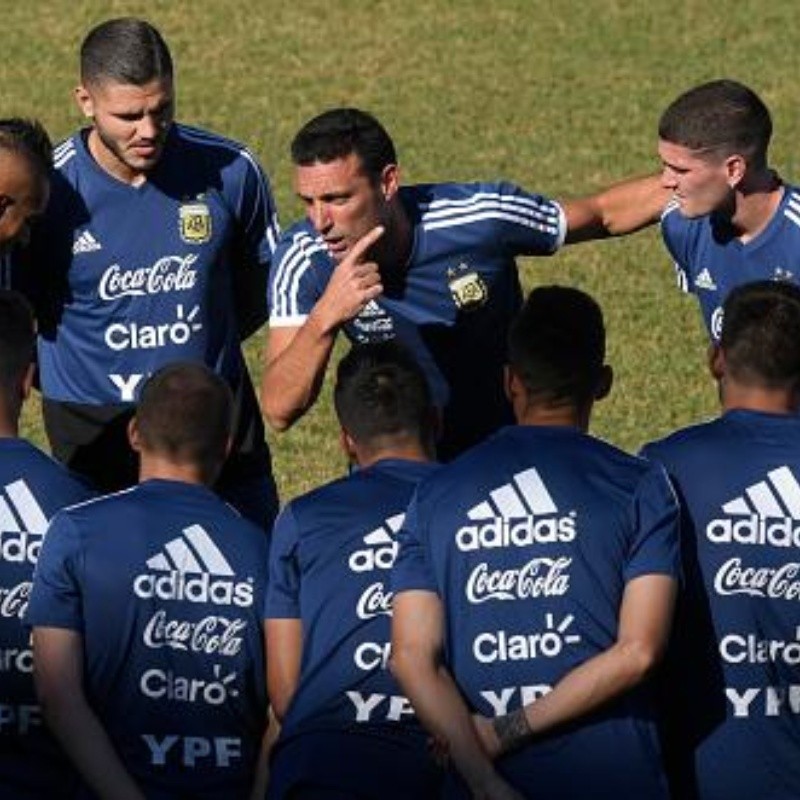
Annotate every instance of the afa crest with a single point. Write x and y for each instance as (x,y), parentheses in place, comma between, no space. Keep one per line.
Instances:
(467,287)
(194,221)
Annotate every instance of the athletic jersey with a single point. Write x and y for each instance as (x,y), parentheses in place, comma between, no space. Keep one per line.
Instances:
(32,488)
(453,304)
(529,541)
(734,685)
(165,584)
(331,556)
(128,278)
(711,261)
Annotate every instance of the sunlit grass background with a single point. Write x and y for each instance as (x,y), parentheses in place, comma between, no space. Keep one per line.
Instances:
(561,97)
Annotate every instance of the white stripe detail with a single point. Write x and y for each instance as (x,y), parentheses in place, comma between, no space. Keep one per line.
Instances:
(59,162)
(535,492)
(290,271)
(508,502)
(546,212)
(30,512)
(378,536)
(481,511)
(788,488)
(452,222)
(396,522)
(182,557)
(8,521)
(446,203)
(209,553)
(791,214)
(287,322)
(527,486)
(737,506)
(764,500)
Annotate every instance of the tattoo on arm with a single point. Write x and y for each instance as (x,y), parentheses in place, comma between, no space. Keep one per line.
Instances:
(511,729)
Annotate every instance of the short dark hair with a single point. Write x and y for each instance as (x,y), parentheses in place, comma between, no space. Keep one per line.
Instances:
(185,412)
(723,116)
(28,137)
(17,338)
(341,131)
(125,50)
(381,391)
(557,345)
(761,334)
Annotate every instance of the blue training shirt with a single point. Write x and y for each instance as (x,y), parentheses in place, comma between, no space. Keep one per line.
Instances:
(710,260)
(348,725)
(453,303)
(32,488)
(734,682)
(128,278)
(529,540)
(165,583)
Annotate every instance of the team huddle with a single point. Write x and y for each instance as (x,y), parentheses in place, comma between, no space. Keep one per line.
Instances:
(492,603)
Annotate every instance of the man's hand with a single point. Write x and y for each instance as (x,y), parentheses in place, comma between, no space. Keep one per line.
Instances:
(493,787)
(355,281)
(501,734)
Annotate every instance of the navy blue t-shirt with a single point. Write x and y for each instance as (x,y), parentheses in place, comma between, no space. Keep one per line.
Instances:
(529,540)
(165,583)
(32,488)
(733,689)
(348,725)
(454,301)
(711,261)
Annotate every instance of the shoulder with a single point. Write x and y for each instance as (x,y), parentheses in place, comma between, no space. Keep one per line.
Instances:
(301,242)
(684,442)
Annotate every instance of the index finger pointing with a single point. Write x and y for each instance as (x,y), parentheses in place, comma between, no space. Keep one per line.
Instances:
(365,242)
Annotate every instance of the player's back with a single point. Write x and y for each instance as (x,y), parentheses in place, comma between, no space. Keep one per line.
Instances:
(733,682)
(33,487)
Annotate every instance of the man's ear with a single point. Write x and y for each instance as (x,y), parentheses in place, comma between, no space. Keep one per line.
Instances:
(84,100)
(27,381)
(134,439)
(348,445)
(604,382)
(716,362)
(735,167)
(390,181)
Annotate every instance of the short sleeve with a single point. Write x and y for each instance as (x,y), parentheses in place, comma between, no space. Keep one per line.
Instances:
(529,224)
(301,269)
(674,231)
(56,599)
(655,517)
(412,568)
(283,586)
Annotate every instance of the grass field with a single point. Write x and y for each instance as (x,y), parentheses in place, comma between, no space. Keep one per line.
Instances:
(561,97)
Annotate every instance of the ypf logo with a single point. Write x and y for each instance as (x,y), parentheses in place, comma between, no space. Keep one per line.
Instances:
(381,549)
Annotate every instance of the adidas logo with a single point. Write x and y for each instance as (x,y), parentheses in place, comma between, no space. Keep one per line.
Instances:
(191,567)
(705,281)
(85,243)
(22,524)
(381,549)
(768,513)
(517,514)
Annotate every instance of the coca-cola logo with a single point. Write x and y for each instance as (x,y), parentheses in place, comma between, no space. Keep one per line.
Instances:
(14,600)
(374,601)
(168,274)
(781,583)
(212,635)
(540,577)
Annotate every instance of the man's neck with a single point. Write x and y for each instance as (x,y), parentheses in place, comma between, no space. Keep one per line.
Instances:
(559,416)
(395,249)
(366,457)
(756,204)
(157,467)
(109,162)
(756,398)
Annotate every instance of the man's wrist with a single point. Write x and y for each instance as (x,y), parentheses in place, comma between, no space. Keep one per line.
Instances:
(512,730)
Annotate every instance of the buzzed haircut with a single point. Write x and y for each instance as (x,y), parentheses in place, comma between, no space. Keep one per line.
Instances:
(557,345)
(722,116)
(382,392)
(17,338)
(185,412)
(761,334)
(125,50)
(29,138)
(339,132)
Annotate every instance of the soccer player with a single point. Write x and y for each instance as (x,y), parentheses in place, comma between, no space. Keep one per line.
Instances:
(347,730)
(25,153)
(432,265)
(733,688)
(535,584)
(146,613)
(154,248)
(32,488)
(732,220)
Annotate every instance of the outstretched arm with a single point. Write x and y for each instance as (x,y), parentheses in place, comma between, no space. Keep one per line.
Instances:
(296,357)
(58,671)
(621,208)
(644,625)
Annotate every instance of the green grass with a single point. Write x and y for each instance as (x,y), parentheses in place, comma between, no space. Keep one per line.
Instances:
(560,97)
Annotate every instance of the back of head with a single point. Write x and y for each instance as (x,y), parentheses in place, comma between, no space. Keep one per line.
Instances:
(28,138)
(17,340)
(338,133)
(185,415)
(382,394)
(556,346)
(761,335)
(125,50)
(724,117)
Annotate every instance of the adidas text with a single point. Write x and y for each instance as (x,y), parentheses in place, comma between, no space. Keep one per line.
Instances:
(198,589)
(502,532)
(754,530)
(16,548)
